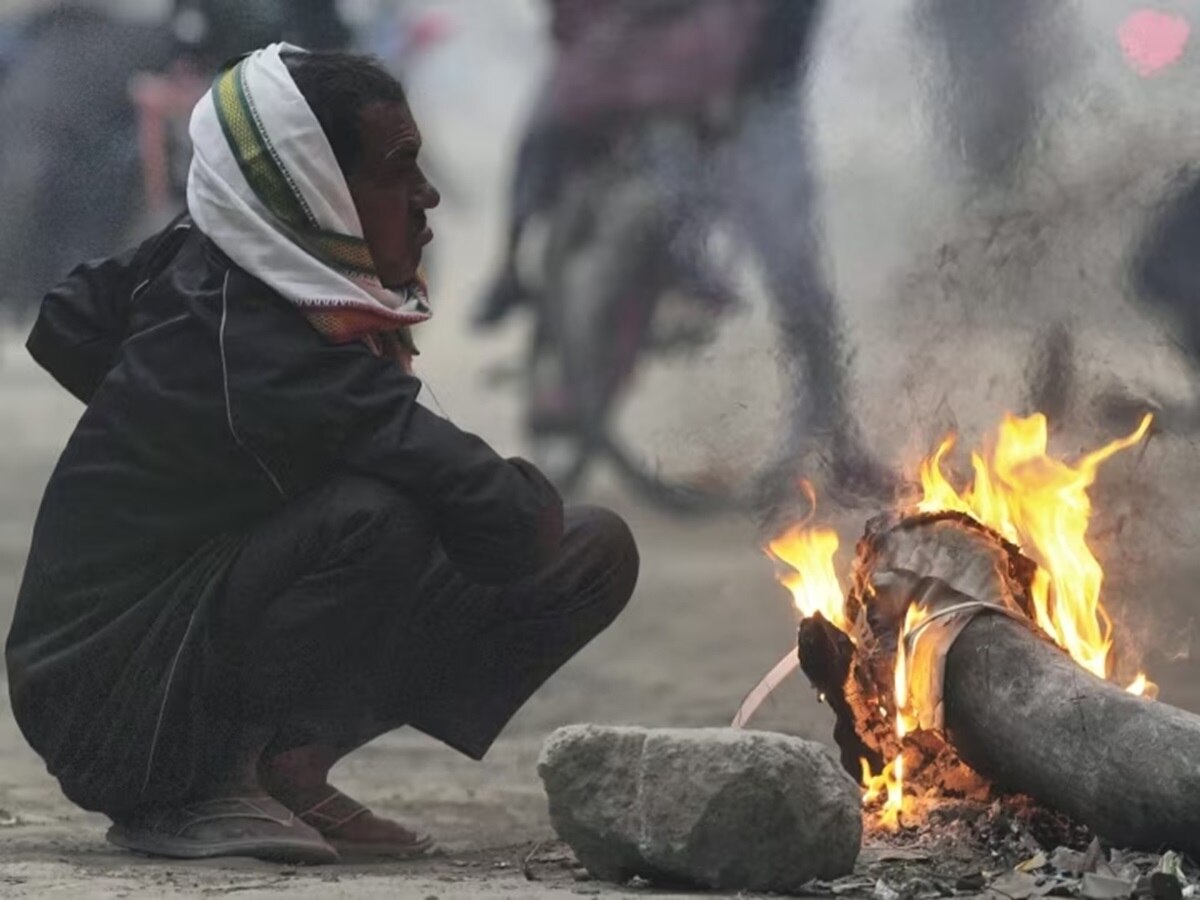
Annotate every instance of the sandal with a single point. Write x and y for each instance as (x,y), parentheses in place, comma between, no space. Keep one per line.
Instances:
(259,827)
(337,809)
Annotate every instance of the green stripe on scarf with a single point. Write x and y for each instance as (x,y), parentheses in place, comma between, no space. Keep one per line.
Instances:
(269,180)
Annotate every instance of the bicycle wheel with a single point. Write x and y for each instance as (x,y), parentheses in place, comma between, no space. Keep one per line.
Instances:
(559,443)
(611,279)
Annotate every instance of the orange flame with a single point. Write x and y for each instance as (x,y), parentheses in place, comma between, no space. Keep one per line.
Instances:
(890,782)
(1143,687)
(1041,504)
(812,579)
(1037,501)
(906,720)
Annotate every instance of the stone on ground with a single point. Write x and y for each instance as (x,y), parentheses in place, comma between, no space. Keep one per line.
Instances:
(714,808)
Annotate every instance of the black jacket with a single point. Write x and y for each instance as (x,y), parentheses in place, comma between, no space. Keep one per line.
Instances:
(210,403)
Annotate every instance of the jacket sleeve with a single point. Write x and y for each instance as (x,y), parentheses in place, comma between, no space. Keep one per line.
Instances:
(83,321)
(497,519)
(293,394)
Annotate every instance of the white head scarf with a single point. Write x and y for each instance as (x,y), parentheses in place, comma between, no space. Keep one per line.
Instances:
(265,187)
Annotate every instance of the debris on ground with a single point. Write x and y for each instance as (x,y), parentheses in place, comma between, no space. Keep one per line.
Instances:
(1006,850)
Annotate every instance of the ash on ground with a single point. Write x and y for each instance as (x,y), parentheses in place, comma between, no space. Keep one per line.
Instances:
(1007,849)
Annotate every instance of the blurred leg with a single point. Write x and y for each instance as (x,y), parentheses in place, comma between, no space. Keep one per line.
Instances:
(1165,272)
(1166,269)
(547,151)
(997,64)
(775,203)
(1051,371)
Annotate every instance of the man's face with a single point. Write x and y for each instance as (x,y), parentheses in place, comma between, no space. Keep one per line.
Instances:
(391,193)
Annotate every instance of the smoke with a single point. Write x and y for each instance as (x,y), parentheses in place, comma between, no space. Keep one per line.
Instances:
(1061,283)
(991,194)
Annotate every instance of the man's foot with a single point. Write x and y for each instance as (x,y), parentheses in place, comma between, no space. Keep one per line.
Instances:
(298,778)
(503,297)
(254,826)
(356,831)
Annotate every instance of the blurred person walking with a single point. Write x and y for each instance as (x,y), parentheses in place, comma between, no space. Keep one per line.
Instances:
(92,99)
(998,64)
(68,159)
(735,67)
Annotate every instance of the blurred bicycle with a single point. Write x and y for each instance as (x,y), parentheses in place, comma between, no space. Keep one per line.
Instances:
(660,119)
(619,292)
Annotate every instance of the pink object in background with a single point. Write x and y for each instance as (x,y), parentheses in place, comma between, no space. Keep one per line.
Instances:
(1153,40)
(430,28)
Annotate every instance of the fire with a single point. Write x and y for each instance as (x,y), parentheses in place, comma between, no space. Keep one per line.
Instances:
(1035,500)
(1041,504)
(1143,687)
(906,721)
(812,579)
(890,782)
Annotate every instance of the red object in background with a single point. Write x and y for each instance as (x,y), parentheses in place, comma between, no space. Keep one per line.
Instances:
(618,59)
(429,29)
(164,105)
(1153,40)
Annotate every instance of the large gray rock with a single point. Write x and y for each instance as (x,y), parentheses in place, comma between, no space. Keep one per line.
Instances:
(716,808)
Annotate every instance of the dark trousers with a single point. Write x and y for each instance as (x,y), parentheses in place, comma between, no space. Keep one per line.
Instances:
(342,619)
(770,192)
(999,60)
(1166,265)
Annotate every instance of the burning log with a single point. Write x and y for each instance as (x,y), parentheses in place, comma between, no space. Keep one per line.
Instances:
(1025,715)
(971,650)
(826,656)
(943,661)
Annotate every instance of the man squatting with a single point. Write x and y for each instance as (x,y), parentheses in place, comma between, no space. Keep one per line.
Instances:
(258,551)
